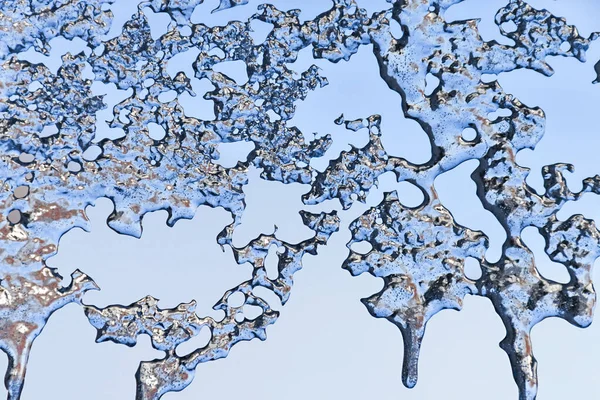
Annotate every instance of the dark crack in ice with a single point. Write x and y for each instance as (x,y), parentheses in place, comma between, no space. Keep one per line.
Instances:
(48,178)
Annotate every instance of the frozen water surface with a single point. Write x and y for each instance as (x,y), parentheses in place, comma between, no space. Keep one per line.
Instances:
(102,103)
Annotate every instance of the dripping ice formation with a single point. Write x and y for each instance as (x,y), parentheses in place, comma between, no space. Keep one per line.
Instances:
(420,251)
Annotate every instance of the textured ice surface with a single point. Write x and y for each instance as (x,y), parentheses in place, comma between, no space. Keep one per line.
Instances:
(52,166)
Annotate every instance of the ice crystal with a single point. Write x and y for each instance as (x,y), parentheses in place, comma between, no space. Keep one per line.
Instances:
(47,129)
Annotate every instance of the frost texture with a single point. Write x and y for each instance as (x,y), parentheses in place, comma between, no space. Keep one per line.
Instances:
(47,180)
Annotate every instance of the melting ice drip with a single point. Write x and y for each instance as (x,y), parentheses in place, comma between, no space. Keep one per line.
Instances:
(49,179)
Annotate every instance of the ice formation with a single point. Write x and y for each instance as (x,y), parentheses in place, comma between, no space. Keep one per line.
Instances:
(48,177)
